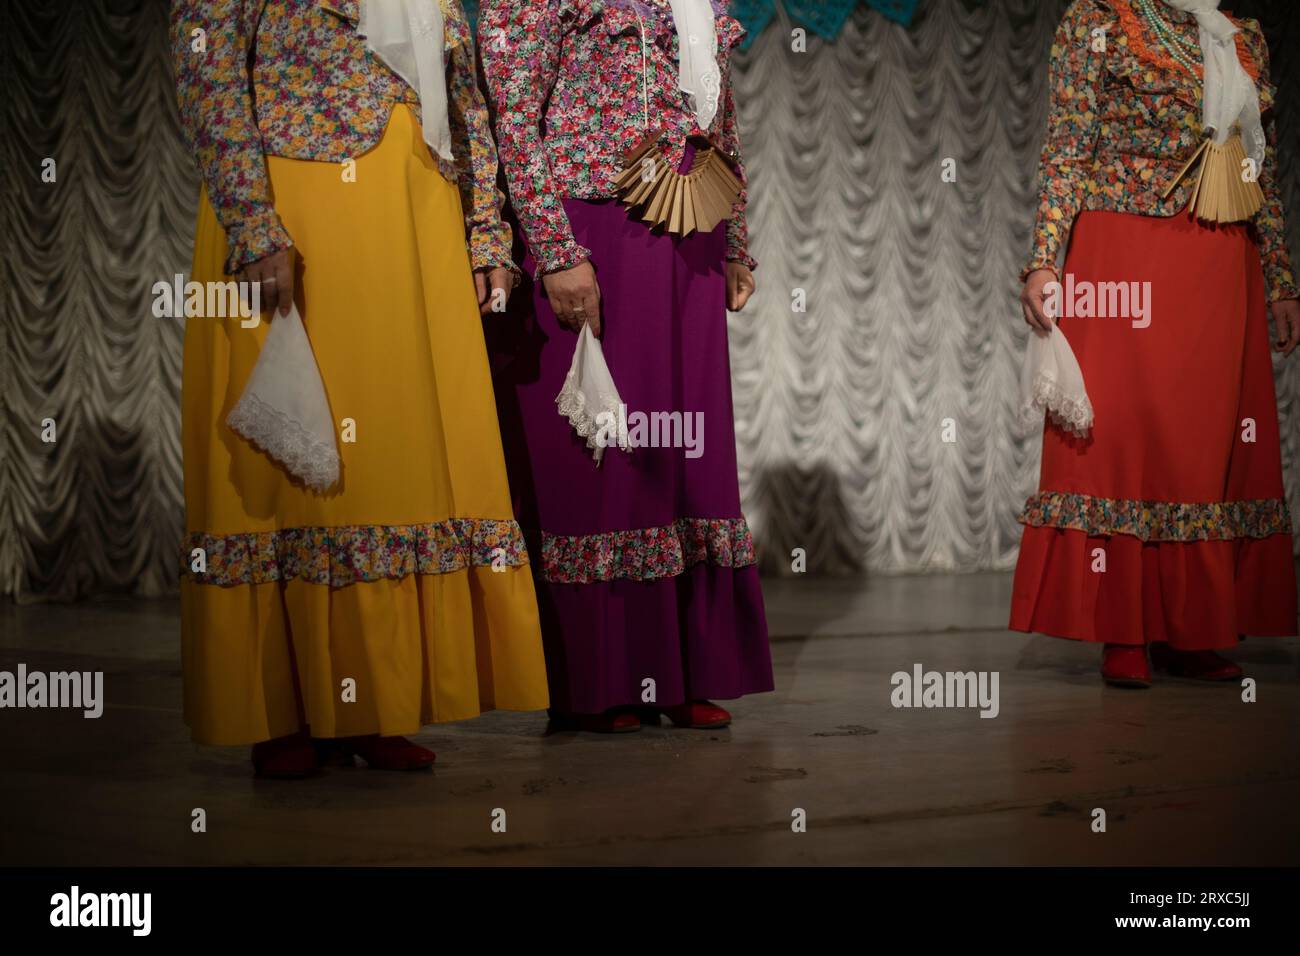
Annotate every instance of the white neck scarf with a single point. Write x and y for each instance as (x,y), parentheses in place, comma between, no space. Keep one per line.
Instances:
(697,57)
(1230,95)
(408,36)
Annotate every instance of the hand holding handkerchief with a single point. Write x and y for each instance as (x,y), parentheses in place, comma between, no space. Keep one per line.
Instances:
(1052,382)
(589,399)
(283,409)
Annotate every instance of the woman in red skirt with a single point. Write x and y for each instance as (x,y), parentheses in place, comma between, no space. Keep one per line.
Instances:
(1164,526)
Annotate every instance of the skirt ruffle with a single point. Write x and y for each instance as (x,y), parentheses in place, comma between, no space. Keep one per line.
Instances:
(698,635)
(1194,595)
(386,657)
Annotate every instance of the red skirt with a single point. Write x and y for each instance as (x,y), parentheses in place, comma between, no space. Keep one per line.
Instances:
(1169,522)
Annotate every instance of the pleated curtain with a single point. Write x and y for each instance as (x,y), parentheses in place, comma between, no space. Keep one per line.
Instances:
(886,319)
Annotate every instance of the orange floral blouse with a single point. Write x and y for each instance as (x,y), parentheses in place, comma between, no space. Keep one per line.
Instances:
(291,78)
(1124,118)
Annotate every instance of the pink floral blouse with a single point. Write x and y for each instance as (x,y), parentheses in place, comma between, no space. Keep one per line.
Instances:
(1125,119)
(574,68)
(292,78)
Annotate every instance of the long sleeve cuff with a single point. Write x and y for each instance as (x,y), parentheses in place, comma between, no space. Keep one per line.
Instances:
(1279,277)
(1282,288)
(489,247)
(559,255)
(738,239)
(1037,263)
(255,238)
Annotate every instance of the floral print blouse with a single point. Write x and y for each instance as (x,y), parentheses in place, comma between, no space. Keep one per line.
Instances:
(565,77)
(291,78)
(1125,119)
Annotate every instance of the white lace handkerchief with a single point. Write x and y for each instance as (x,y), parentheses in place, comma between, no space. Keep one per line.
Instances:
(1052,382)
(284,410)
(589,399)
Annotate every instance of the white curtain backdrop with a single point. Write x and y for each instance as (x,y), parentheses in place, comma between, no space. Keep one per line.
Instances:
(909,283)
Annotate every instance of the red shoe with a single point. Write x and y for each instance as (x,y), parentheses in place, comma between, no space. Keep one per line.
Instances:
(616,720)
(697,715)
(1194,665)
(389,753)
(285,758)
(1125,665)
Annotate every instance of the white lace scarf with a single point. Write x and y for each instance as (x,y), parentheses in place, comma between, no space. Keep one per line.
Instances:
(1230,95)
(698,73)
(408,36)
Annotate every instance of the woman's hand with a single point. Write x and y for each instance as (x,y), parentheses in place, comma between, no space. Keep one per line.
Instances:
(740,285)
(486,283)
(274,274)
(575,296)
(1286,316)
(1033,300)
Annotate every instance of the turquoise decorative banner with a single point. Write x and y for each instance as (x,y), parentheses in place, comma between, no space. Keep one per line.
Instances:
(826,18)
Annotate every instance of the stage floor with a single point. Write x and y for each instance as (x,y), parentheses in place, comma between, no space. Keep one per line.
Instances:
(1187,773)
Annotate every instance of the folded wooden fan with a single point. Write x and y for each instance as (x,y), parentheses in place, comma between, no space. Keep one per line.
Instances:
(681,203)
(1221,194)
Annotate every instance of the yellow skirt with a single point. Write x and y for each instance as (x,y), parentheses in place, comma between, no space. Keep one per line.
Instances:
(403,596)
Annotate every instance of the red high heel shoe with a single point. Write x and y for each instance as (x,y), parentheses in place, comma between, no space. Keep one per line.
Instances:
(697,715)
(285,758)
(1193,665)
(616,720)
(1125,665)
(389,753)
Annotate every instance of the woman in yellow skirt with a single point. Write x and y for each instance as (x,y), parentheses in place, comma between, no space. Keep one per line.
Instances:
(348,171)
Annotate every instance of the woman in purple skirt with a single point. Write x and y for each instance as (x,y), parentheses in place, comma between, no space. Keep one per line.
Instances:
(647,586)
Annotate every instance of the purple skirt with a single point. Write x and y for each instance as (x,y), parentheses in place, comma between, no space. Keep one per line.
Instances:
(644,566)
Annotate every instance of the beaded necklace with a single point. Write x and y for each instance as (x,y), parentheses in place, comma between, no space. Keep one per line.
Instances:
(1184,53)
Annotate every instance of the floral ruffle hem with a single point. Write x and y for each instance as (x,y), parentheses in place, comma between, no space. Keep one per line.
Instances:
(646,554)
(340,556)
(1158,520)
